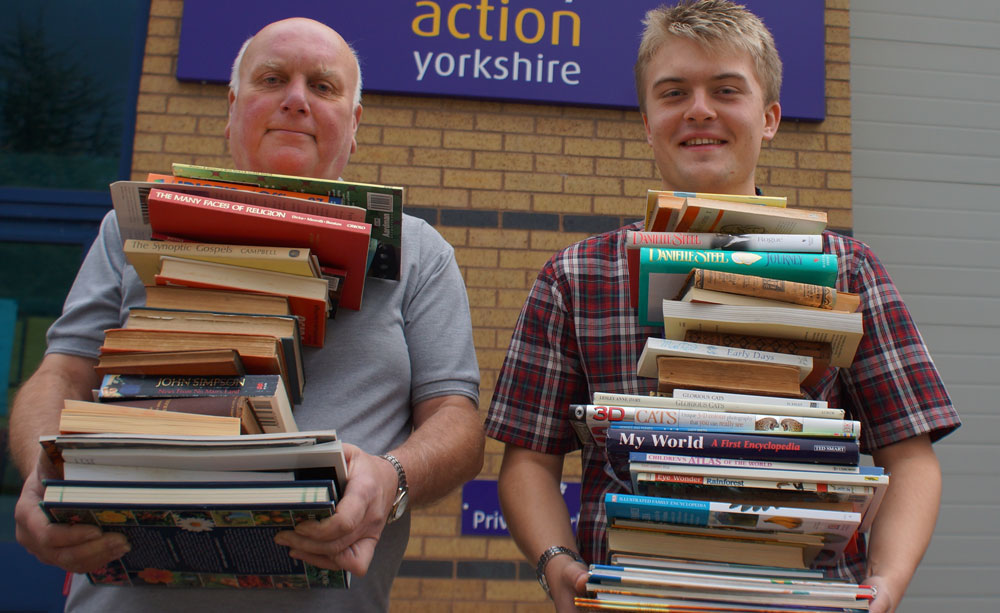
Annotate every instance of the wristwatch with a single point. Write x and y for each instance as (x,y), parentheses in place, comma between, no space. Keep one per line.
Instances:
(547,555)
(402,492)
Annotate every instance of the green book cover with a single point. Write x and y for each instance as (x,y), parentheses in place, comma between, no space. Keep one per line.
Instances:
(662,272)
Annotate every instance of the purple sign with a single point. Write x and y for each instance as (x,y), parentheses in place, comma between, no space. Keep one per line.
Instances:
(481,507)
(577,52)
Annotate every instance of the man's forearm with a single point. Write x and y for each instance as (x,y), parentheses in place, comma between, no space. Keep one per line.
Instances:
(905,521)
(444,450)
(39,402)
(532,502)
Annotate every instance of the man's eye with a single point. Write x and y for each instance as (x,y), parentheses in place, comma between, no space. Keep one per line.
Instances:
(270,80)
(323,88)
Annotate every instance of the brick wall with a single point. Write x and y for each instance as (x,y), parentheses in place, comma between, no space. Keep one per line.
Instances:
(507,184)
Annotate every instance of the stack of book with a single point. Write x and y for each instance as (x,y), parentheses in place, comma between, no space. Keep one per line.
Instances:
(741,487)
(190,446)
(198,510)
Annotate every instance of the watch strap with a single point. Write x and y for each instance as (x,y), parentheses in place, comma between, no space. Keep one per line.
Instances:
(402,491)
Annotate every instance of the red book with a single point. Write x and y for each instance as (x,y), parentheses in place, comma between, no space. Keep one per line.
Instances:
(337,243)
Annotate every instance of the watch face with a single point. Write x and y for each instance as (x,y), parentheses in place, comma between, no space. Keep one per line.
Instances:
(400,506)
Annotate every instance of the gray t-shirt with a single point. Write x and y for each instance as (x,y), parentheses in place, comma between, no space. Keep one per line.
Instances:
(411,341)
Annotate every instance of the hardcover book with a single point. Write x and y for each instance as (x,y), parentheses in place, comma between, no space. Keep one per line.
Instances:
(687,460)
(261,354)
(211,535)
(634,241)
(215,300)
(836,528)
(777,292)
(80,416)
(662,272)
(307,296)
(727,375)
(864,489)
(773,491)
(707,215)
(674,200)
(266,394)
(623,439)
(383,204)
(145,256)
(818,351)
(184,362)
(221,406)
(786,403)
(716,401)
(626,540)
(335,243)
(657,347)
(312,454)
(597,419)
(842,330)
(285,328)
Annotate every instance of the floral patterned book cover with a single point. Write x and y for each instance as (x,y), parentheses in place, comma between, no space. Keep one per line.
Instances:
(201,545)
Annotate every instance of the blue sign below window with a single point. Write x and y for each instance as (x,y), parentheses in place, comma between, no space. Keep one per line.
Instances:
(481,507)
(553,51)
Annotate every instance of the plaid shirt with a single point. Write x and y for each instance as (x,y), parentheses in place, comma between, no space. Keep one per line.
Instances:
(577,334)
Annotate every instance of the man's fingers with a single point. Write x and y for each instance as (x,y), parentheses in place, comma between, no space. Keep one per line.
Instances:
(354,559)
(92,555)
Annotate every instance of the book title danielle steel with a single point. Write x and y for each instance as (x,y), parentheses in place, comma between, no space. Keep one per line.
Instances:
(496,22)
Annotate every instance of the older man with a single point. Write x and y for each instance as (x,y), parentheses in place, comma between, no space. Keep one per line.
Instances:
(399,376)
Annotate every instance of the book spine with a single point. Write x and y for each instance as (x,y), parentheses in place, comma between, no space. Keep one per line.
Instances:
(621,440)
(145,256)
(788,243)
(598,417)
(383,204)
(720,514)
(656,347)
(727,397)
(704,403)
(143,386)
(663,272)
(814,349)
(806,294)
(690,460)
(818,269)
(765,484)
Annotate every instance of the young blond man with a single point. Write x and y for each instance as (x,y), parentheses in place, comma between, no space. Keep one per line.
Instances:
(708,78)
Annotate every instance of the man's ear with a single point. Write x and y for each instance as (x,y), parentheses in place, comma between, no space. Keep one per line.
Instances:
(645,126)
(229,119)
(354,134)
(772,118)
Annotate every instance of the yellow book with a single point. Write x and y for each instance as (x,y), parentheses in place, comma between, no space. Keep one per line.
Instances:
(145,257)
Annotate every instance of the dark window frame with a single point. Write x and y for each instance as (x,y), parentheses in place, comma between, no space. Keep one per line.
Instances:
(45,215)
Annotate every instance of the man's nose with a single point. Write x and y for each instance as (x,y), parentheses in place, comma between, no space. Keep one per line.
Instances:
(700,107)
(296,97)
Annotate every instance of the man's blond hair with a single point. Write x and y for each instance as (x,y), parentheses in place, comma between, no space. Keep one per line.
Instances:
(711,23)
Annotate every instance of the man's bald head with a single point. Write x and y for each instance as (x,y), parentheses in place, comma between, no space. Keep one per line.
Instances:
(234,77)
